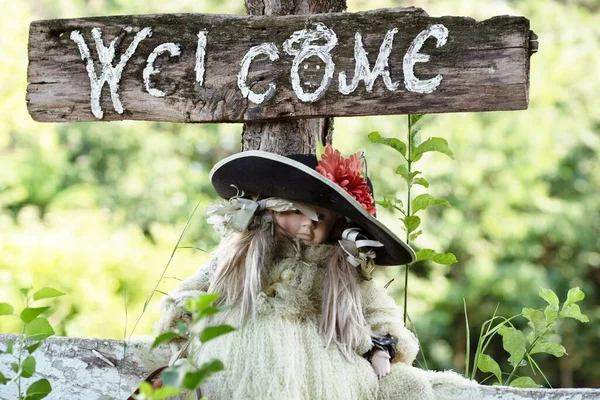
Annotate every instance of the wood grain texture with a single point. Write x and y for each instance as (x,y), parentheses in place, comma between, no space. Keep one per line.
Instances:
(290,136)
(485,66)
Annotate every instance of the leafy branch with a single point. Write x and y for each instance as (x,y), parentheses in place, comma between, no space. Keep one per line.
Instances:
(35,329)
(411,152)
(522,347)
(184,374)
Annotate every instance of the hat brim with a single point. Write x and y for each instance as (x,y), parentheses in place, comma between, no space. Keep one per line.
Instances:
(260,173)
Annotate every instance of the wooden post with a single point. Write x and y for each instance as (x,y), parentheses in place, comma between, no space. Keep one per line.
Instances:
(290,136)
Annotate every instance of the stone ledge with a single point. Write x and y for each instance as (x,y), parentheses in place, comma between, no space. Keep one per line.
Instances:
(103,369)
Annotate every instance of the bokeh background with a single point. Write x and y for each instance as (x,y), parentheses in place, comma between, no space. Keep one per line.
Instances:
(95,209)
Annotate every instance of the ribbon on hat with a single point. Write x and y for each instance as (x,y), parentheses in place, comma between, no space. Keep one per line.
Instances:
(356,246)
(237,213)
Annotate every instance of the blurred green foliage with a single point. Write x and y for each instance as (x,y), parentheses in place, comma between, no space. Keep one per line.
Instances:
(94,209)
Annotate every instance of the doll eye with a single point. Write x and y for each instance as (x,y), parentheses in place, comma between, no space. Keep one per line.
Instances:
(297,212)
(321,217)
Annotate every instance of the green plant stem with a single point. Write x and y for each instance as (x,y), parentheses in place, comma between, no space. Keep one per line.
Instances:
(468,334)
(479,350)
(405,292)
(20,394)
(20,360)
(414,328)
(526,354)
(181,236)
(408,165)
(534,366)
(485,339)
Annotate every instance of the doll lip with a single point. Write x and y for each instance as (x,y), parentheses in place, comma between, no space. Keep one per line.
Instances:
(307,237)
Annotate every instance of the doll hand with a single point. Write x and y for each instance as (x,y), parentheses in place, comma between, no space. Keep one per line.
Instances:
(381,363)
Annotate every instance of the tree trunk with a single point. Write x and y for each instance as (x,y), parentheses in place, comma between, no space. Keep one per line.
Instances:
(290,136)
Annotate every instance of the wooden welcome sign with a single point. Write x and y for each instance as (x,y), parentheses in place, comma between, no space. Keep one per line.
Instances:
(226,68)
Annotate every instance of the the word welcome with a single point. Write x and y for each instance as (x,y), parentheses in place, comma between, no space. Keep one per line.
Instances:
(302,45)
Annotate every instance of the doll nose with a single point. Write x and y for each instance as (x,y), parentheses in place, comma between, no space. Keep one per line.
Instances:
(307,222)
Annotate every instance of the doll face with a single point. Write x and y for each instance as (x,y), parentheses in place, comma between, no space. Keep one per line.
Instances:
(302,227)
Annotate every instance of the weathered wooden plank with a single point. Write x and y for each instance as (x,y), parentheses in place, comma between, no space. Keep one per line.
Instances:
(87,368)
(484,66)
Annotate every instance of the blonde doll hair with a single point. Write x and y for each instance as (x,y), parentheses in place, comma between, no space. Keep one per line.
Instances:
(242,262)
(242,259)
(342,318)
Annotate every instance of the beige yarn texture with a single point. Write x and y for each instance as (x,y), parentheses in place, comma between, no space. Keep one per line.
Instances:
(279,353)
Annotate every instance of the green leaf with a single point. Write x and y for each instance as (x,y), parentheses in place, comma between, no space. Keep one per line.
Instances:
(6,309)
(402,170)
(190,305)
(38,329)
(391,201)
(411,223)
(38,390)
(9,346)
(205,300)
(547,335)
(415,235)
(549,296)
(208,311)
(421,181)
(488,364)
(15,367)
(415,133)
(395,202)
(173,376)
(29,313)
(440,258)
(193,379)
(433,144)
(183,329)
(414,118)
(537,320)
(550,348)
(384,204)
(164,338)
(551,313)
(573,311)
(575,295)
(145,389)
(423,201)
(524,382)
(396,144)
(46,293)
(3,379)
(165,392)
(24,291)
(530,337)
(33,347)
(514,343)
(212,332)
(28,367)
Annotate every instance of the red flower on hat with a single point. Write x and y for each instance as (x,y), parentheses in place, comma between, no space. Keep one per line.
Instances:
(346,172)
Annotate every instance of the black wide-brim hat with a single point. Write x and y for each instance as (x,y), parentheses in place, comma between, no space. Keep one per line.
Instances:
(294,178)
